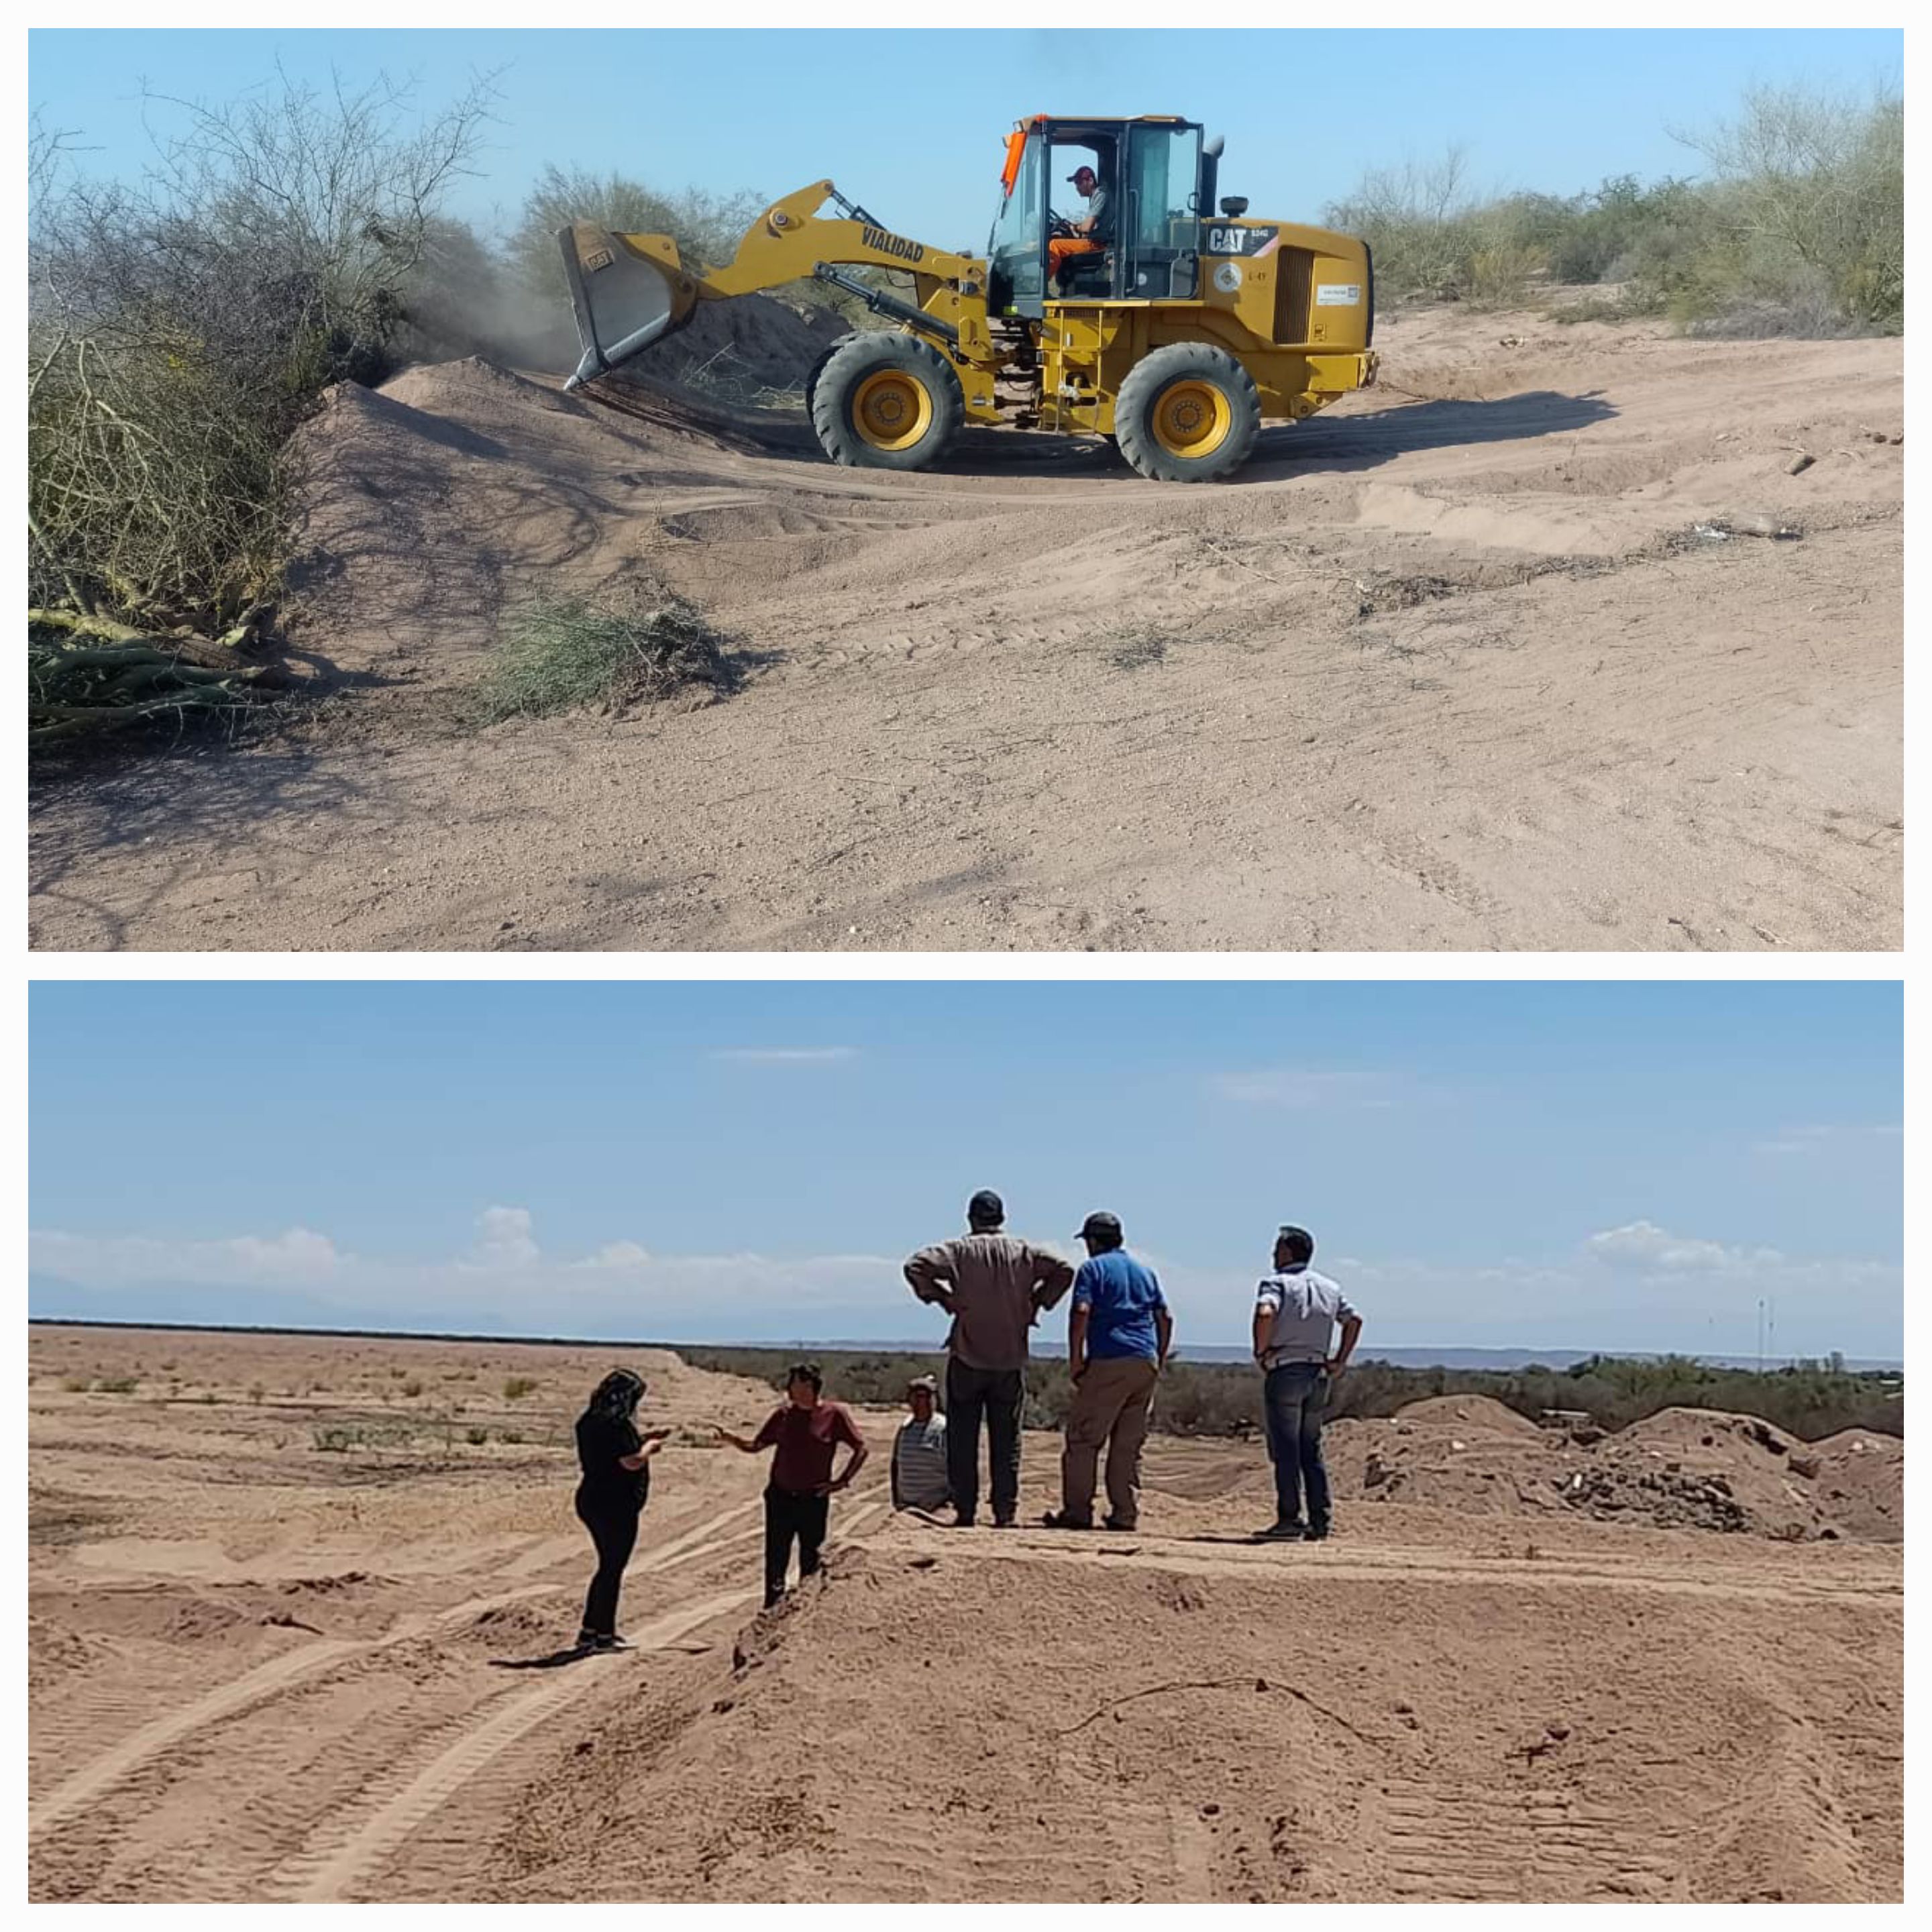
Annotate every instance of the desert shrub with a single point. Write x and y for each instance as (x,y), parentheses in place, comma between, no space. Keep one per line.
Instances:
(1808,207)
(1416,220)
(563,653)
(180,327)
(256,1393)
(116,1385)
(75,1384)
(515,1388)
(1796,228)
(413,1388)
(475,1437)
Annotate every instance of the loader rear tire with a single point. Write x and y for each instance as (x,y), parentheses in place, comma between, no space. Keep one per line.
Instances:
(1188,413)
(886,401)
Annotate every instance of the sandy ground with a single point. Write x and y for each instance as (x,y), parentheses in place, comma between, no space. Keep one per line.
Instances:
(263,1669)
(1448,668)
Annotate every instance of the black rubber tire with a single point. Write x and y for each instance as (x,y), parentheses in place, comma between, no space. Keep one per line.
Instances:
(818,367)
(1150,378)
(848,366)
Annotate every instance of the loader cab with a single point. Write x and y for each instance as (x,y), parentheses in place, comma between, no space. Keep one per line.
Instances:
(1151,169)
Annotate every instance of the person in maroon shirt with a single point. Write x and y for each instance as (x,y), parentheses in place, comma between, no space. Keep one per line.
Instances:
(804,1434)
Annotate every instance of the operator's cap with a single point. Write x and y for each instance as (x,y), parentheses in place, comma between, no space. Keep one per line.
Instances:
(1104,1227)
(986,1206)
(1083,168)
(929,1383)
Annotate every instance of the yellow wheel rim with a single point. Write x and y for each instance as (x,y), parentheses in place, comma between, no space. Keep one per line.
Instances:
(891,409)
(1192,419)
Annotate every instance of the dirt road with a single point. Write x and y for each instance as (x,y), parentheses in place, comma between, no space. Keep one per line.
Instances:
(1450,667)
(263,1667)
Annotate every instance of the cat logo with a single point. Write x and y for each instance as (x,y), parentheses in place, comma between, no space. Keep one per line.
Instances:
(892,244)
(1231,240)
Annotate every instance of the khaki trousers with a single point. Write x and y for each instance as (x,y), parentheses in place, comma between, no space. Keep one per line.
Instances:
(1112,1401)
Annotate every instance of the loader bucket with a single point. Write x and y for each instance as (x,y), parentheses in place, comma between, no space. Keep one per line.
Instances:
(624,298)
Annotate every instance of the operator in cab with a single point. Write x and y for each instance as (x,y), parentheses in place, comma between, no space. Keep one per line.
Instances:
(1087,237)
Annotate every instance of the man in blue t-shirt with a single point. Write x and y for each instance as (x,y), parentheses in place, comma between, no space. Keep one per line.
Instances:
(1117,1339)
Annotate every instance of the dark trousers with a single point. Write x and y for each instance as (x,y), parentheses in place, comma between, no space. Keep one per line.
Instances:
(1296,1399)
(999,1395)
(613,1529)
(792,1513)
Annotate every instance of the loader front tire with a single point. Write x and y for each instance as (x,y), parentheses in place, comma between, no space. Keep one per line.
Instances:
(1188,413)
(818,367)
(886,401)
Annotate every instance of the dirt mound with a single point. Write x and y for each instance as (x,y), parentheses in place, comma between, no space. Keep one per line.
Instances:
(739,348)
(1861,1477)
(1479,1412)
(1708,1429)
(1483,1739)
(1681,1468)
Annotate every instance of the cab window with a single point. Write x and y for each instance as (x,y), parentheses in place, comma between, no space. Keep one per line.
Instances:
(1163,210)
(1014,249)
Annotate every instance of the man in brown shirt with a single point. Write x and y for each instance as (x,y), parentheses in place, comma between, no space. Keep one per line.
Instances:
(994,1285)
(804,1433)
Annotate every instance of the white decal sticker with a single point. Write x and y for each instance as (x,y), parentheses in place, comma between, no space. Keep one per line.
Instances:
(1338,295)
(1227,278)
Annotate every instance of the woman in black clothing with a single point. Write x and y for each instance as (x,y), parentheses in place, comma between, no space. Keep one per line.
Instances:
(616,1479)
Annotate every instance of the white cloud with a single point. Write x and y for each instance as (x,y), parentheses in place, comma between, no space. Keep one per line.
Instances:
(785,1056)
(506,1274)
(1817,1136)
(1305,1086)
(617,1255)
(503,1239)
(1643,1244)
(297,1255)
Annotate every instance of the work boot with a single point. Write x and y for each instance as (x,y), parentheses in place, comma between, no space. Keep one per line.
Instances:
(961,1522)
(614,1642)
(1114,1522)
(586,1639)
(1008,1521)
(1060,1519)
(1316,1532)
(1285,1529)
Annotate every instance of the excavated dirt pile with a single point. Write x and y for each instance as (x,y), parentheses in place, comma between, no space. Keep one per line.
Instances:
(1681,1468)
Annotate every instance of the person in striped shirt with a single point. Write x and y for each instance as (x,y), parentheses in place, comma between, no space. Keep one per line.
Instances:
(920,1480)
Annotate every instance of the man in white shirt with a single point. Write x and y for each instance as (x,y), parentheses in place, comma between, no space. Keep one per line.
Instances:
(1296,1310)
(919,1451)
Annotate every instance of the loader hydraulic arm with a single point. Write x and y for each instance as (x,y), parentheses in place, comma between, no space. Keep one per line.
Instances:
(629,291)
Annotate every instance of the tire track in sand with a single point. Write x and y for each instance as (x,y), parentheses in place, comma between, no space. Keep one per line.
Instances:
(267,1681)
(399,1805)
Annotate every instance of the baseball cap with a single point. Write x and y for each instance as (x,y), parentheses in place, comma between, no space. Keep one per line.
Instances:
(1107,1226)
(929,1383)
(986,1206)
(1083,168)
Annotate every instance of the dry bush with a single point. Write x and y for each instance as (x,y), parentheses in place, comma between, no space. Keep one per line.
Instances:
(178,327)
(560,654)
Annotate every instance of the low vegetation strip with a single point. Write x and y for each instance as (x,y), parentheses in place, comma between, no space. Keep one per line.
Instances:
(1809,1400)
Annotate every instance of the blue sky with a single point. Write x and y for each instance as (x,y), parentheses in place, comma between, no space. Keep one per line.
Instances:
(910,123)
(1616,1166)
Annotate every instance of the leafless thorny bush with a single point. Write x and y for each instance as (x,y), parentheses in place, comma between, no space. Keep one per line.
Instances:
(178,329)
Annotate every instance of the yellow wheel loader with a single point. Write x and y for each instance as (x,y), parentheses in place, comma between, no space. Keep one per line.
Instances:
(1153,315)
